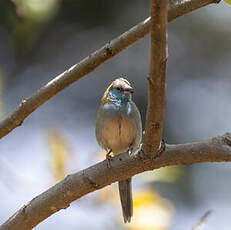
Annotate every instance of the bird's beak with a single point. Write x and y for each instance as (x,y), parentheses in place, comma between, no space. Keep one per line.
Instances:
(128,89)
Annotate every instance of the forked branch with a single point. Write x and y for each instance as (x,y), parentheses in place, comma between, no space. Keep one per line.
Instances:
(156,87)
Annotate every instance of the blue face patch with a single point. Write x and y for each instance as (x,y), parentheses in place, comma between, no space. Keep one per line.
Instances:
(119,96)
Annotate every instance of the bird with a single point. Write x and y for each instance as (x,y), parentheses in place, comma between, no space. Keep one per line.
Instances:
(118,130)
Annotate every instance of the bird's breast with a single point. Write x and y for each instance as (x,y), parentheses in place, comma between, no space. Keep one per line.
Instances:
(118,133)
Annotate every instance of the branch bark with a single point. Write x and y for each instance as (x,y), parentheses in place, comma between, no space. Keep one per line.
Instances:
(123,167)
(156,87)
(74,186)
(176,9)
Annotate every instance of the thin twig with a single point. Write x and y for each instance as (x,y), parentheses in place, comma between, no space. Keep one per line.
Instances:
(15,118)
(199,225)
(74,186)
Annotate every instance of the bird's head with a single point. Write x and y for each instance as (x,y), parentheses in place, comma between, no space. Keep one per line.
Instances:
(119,91)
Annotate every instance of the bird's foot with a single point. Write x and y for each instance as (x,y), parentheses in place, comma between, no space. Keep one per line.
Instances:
(161,147)
(109,158)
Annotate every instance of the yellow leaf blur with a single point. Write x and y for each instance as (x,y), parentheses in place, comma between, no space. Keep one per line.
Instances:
(151,211)
(228,2)
(168,174)
(109,194)
(100,155)
(59,149)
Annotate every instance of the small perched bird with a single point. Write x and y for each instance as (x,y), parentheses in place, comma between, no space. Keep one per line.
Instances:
(118,130)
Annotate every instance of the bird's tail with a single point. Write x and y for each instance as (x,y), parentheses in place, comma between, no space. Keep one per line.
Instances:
(125,189)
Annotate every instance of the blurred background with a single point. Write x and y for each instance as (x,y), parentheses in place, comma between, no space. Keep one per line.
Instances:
(40,39)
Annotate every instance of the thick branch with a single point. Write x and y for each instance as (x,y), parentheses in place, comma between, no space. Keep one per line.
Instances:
(176,8)
(157,88)
(98,176)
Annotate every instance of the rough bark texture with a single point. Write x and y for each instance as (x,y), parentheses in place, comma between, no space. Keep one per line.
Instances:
(176,9)
(123,167)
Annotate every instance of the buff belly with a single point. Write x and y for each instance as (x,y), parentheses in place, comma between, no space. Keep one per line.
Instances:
(118,134)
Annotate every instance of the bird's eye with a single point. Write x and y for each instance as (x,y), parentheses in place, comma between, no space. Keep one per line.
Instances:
(119,88)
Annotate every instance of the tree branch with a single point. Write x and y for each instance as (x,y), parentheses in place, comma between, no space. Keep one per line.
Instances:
(177,8)
(98,176)
(201,223)
(156,87)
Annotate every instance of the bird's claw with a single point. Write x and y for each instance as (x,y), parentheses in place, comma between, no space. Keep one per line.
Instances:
(161,148)
(108,159)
